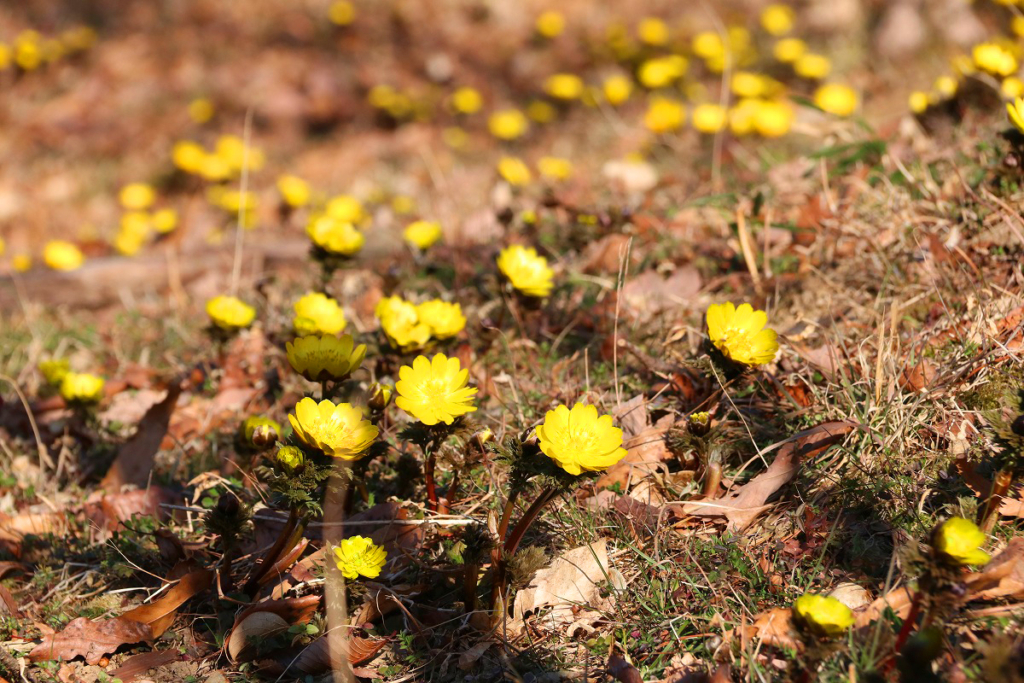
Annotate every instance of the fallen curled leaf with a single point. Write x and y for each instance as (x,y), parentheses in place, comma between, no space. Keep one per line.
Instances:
(159,614)
(258,626)
(317,657)
(136,666)
(645,451)
(574,578)
(745,504)
(622,670)
(134,461)
(90,639)
(109,511)
(649,293)
(470,656)
(774,627)
(292,610)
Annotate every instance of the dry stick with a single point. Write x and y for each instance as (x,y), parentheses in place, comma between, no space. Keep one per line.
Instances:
(623,270)
(236,267)
(44,457)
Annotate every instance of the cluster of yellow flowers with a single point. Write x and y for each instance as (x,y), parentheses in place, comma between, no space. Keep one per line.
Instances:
(77,388)
(412,326)
(222,163)
(317,313)
(515,171)
(30,50)
(138,221)
(335,229)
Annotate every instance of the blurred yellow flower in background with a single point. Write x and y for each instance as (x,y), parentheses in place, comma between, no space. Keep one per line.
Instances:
(335,236)
(550,24)
(422,234)
(514,171)
(444,319)
(555,168)
(777,19)
(822,616)
(617,89)
(62,255)
(836,98)
(958,541)
(526,270)
(564,86)
(54,370)
(993,58)
(229,312)
(81,387)
(812,66)
(507,124)
(709,118)
(137,196)
(467,100)
(664,115)
(294,191)
(317,313)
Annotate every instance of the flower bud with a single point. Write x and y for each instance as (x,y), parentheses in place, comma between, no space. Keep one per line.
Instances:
(699,424)
(380,396)
(957,542)
(260,432)
(482,438)
(822,616)
(290,459)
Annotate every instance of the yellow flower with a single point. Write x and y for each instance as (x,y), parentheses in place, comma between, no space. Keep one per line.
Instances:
(550,24)
(188,156)
(813,66)
(555,168)
(823,616)
(62,255)
(27,52)
(617,89)
(514,171)
(164,220)
(836,98)
(507,124)
(1016,111)
(345,208)
(743,117)
(21,262)
(444,319)
(260,432)
(652,31)
(137,196)
(467,100)
(317,313)
(323,357)
(213,168)
(200,110)
(777,20)
(946,86)
(788,50)
(1012,87)
(994,59)
(232,150)
(54,370)
(773,118)
(341,13)
(958,542)
(709,118)
(128,243)
(81,387)
(335,236)
(659,72)
(526,270)
(664,115)
(918,101)
(750,84)
(422,234)
(379,396)
(400,322)
(230,313)
(5,56)
(294,190)
(359,556)
(290,459)
(336,430)
(434,390)
(708,45)
(578,440)
(135,223)
(564,86)
(740,333)
(1017,24)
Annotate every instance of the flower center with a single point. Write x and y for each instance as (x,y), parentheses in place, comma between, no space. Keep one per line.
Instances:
(436,388)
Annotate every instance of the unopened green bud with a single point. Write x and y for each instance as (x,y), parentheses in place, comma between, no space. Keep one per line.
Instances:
(260,432)
(380,396)
(290,459)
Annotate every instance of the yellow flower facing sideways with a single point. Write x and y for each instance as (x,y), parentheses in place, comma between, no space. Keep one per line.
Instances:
(401,323)
(434,390)
(836,98)
(323,357)
(335,430)
(564,86)
(137,196)
(579,440)
(335,236)
(823,616)
(958,541)
(1016,111)
(81,387)
(62,255)
(554,168)
(740,333)
(317,313)
(659,72)
(444,319)
(230,313)
(422,234)
(164,220)
(359,556)
(526,270)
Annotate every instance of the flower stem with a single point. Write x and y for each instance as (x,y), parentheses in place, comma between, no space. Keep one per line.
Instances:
(428,476)
(275,552)
(445,503)
(528,518)
(324,391)
(506,515)
(469,581)
(905,631)
(712,480)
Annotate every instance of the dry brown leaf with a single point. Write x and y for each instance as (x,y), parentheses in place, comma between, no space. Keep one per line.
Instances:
(137,665)
(159,614)
(90,639)
(622,670)
(258,626)
(649,293)
(317,658)
(574,578)
(644,454)
(134,461)
(470,656)
(745,504)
